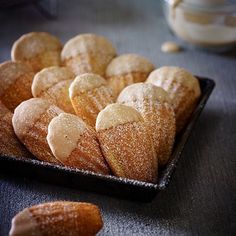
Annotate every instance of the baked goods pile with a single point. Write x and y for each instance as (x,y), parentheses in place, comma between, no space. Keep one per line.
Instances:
(82,106)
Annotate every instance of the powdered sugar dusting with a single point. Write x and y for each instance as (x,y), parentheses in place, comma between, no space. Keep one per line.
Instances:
(182,87)
(128,63)
(85,43)
(129,150)
(10,72)
(30,122)
(48,77)
(86,82)
(31,44)
(154,105)
(119,82)
(88,104)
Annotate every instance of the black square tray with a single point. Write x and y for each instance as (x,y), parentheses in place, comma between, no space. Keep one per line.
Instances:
(110,185)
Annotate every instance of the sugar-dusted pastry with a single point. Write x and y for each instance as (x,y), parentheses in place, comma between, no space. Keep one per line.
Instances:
(183,89)
(154,105)
(126,143)
(60,218)
(75,144)
(88,53)
(38,49)
(127,69)
(15,83)
(89,94)
(9,143)
(53,84)
(30,122)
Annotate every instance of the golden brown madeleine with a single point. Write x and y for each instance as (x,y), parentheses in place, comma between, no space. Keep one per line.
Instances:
(183,89)
(30,122)
(38,49)
(127,69)
(9,144)
(88,53)
(126,143)
(75,144)
(15,83)
(53,84)
(155,106)
(60,218)
(89,94)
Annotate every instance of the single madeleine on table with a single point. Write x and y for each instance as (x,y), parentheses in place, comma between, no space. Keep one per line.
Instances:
(38,49)
(30,122)
(154,105)
(53,84)
(75,144)
(9,143)
(89,94)
(127,69)
(183,89)
(15,83)
(126,143)
(60,218)
(87,53)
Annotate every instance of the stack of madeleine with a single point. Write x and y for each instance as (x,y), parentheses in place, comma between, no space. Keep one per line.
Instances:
(82,106)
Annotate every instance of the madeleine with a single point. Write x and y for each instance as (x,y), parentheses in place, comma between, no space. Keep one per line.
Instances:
(30,122)
(75,144)
(37,49)
(127,69)
(53,84)
(183,89)
(126,143)
(87,53)
(154,105)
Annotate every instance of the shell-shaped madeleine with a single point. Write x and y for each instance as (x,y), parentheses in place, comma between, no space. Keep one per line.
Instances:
(183,89)
(126,143)
(9,144)
(58,218)
(53,84)
(75,144)
(38,49)
(89,94)
(15,83)
(154,105)
(30,122)
(88,53)
(127,69)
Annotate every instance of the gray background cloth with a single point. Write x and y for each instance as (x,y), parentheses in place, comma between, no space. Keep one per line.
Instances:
(201,197)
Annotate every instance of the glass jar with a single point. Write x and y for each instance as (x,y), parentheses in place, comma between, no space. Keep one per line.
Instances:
(209,24)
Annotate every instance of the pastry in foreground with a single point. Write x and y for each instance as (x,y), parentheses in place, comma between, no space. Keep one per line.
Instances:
(87,53)
(89,94)
(53,84)
(183,89)
(30,122)
(15,83)
(9,143)
(126,143)
(75,144)
(127,69)
(60,218)
(38,49)
(155,106)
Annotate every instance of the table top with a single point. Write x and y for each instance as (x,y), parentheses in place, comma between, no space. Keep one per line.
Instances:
(201,197)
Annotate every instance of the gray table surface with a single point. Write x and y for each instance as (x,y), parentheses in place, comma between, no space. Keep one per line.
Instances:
(201,197)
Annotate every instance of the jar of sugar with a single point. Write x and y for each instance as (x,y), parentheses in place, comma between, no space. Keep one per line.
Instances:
(209,24)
